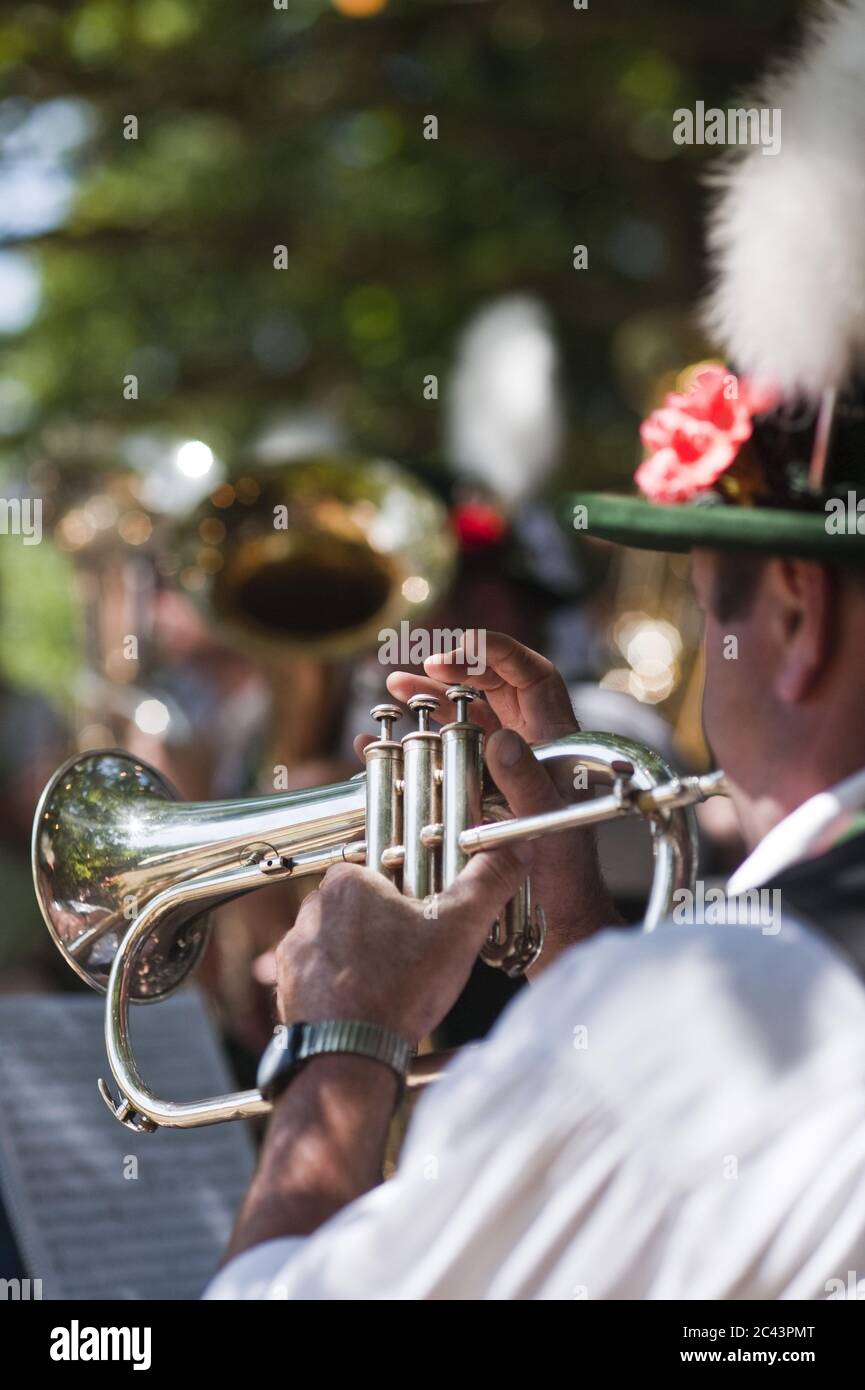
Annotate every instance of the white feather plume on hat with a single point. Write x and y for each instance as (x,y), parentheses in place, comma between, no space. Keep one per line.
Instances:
(787,231)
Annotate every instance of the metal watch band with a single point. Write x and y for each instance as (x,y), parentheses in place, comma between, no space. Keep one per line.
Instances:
(358,1039)
(350,1037)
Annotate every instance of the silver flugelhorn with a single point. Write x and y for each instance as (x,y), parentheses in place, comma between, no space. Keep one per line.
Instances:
(123,872)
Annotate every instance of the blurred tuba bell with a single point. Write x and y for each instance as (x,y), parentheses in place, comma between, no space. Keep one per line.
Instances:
(317,554)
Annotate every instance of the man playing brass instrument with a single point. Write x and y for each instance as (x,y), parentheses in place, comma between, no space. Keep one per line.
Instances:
(680,1114)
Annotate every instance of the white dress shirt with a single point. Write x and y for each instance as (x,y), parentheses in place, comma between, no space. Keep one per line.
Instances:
(674,1115)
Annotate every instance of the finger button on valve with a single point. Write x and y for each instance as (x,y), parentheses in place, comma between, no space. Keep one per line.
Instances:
(423,706)
(387,716)
(462,696)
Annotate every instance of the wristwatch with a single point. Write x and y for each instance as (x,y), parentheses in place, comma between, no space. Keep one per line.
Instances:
(294,1044)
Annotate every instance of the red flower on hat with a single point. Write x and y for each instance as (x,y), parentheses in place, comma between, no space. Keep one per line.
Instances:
(694,437)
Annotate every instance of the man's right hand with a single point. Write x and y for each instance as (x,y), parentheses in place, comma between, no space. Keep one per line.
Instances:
(527,702)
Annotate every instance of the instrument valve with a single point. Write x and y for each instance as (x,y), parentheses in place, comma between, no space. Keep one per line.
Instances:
(424,706)
(387,715)
(462,696)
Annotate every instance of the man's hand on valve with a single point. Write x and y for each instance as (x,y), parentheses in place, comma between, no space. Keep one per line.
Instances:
(526,702)
(360,949)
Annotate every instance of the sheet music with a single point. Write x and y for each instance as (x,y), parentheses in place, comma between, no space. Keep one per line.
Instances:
(98,1210)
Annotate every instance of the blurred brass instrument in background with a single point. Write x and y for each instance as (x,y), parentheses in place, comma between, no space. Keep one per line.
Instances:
(99,521)
(316,555)
(123,872)
(309,558)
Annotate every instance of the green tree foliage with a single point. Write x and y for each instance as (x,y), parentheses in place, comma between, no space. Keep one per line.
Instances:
(261,126)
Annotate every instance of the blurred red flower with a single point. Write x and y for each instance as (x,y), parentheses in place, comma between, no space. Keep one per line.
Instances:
(478,524)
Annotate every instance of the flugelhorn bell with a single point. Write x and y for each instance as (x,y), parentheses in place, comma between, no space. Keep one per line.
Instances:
(109,835)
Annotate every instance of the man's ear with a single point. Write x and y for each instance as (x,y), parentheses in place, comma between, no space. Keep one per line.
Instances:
(804,599)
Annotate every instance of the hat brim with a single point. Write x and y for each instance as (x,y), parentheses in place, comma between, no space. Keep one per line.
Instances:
(633,521)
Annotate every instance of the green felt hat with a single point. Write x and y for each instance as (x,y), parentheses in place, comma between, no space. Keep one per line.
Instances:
(795,487)
(715,525)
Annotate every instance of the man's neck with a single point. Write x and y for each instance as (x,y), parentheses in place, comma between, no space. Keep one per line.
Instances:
(808,827)
(787,789)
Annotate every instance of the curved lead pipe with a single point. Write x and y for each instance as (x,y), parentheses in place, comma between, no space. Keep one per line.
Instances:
(671,816)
